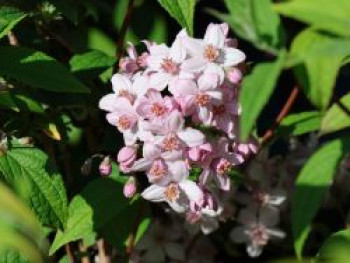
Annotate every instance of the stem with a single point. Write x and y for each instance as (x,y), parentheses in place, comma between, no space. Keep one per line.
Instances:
(284,111)
(132,236)
(69,253)
(102,255)
(122,32)
(83,250)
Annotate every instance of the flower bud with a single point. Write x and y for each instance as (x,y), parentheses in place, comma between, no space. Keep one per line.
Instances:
(126,158)
(106,166)
(130,188)
(234,75)
(86,167)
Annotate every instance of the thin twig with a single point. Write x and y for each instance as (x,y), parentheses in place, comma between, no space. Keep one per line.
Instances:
(284,111)
(103,256)
(12,39)
(122,33)
(133,233)
(69,253)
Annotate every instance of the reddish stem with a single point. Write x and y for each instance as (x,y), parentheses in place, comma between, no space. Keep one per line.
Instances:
(284,111)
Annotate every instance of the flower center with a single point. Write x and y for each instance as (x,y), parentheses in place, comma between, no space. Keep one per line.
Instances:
(219,110)
(124,123)
(169,66)
(202,99)
(158,171)
(171,143)
(223,166)
(158,109)
(211,53)
(258,234)
(172,192)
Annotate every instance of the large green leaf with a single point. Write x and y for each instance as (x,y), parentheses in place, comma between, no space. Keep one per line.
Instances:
(336,249)
(98,205)
(20,231)
(256,22)
(182,11)
(256,91)
(320,67)
(337,117)
(36,69)
(312,184)
(7,101)
(333,16)
(47,195)
(9,17)
(300,123)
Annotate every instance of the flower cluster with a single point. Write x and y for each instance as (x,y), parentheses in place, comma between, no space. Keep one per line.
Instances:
(177,109)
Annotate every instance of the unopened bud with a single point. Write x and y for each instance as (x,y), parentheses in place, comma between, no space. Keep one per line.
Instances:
(106,166)
(234,75)
(86,167)
(129,189)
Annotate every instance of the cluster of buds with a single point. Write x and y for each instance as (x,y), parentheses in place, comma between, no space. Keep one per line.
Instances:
(177,108)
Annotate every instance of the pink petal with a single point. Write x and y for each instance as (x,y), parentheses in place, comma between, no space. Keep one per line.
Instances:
(160,80)
(154,193)
(223,182)
(232,57)
(195,47)
(108,102)
(191,137)
(194,64)
(120,82)
(214,36)
(191,190)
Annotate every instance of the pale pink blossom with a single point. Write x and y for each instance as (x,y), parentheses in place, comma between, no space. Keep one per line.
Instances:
(256,231)
(211,50)
(126,158)
(129,188)
(234,75)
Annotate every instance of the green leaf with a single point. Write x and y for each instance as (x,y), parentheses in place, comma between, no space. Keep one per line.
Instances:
(20,231)
(7,101)
(311,186)
(182,11)
(38,70)
(256,91)
(300,123)
(98,40)
(46,196)
(91,63)
(90,211)
(320,69)
(332,16)
(9,18)
(337,117)
(336,248)
(256,22)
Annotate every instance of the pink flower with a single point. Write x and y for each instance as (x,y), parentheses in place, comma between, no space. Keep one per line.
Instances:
(255,230)
(211,50)
(126,158)
(154,106)
(201,154)
(199,98)
(234,75)
(178,194)
(221,164)
(165,62)
(251,146)
(123,115)
(129,189)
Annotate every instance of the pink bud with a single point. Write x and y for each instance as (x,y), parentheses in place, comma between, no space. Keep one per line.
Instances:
(128,65)
(201,154)
(234,75)
(126,158)
(106,166)
(130,188)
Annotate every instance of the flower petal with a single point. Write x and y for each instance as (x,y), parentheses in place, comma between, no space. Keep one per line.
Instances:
(191,137)
(154,193)
(120,82)
(191,190)
(232,57)
(214,35)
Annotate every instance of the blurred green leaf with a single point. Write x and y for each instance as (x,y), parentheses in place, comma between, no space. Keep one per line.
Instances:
(311,186)
(90,62)
(300,123)
(47,196)
(182,11)
(90,211)
(337,117)
(7,101)
(20,231)
(256,22)
(98,40)
(320,69)
(257,88)
(9,17)
(332,16)
(336,249)
(36,69)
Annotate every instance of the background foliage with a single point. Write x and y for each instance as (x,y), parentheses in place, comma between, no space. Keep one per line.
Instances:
(56,59)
